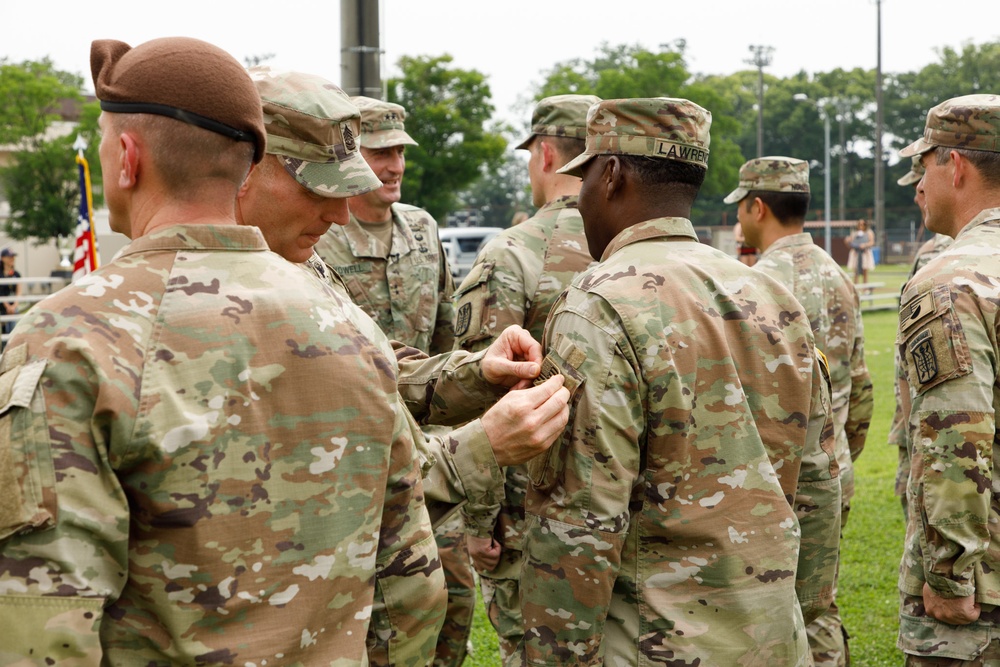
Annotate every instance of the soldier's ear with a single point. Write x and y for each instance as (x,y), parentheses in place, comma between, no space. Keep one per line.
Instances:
(548,156)
(612,176)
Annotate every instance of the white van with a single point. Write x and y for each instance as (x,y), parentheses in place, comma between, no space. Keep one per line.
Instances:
(462,244)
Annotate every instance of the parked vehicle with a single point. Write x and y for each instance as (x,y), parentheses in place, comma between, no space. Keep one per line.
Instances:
(462,244)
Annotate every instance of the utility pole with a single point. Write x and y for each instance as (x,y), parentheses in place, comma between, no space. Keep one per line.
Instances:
(879,177)
(842,106)
(360,50)
(761,59)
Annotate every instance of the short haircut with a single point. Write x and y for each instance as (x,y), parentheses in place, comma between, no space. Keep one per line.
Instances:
(566,148)
(987,163)
(185,155)
(789,208)
(683,178)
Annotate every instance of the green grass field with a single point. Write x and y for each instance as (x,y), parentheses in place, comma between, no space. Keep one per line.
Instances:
(873,539)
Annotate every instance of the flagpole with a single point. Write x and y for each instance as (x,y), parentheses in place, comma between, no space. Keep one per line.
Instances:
(85,237)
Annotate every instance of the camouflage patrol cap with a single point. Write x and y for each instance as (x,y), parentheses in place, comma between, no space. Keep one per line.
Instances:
(970,121)
(313,128)
(382,123)
(774,173)
(560,116)
(915,173)
(663,127)
(181,78)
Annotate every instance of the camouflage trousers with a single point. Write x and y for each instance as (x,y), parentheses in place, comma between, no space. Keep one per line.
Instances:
(827,635)
(503,606)
(930,643)
(903,477)
(453,550)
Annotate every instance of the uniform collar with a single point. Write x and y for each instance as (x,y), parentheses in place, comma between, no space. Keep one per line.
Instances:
(792,240)
(199,237)
(651,229)
(986,215)
(364,244)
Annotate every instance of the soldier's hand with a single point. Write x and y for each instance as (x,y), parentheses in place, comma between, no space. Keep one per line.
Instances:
(525,423)
(953,611)
(513,360)
(485,553)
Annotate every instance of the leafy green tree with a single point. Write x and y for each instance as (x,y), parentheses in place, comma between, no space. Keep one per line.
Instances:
(632,71)
(40,184)
(502,190)
(447,114)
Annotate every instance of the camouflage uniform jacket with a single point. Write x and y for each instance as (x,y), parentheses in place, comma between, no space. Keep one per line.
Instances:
(928,251)
(664,524)
(897,431)
(832,306)
(408,293)
(948,343)
(184,487)
(458,466)
(515,280)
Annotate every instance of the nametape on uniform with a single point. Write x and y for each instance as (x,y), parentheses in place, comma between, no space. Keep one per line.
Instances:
(555,364)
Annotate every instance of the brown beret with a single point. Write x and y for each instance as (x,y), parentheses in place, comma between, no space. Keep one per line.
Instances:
(182,78)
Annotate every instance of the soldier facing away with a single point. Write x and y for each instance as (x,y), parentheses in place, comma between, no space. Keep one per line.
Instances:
(947,346)
(662,526)
(515,280)
(772,199)
(189,480)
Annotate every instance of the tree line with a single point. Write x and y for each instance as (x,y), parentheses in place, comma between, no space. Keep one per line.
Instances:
(465,160)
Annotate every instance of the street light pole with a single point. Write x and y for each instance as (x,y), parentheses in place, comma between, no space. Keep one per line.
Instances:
(761,59)
(825,115)
(826,181)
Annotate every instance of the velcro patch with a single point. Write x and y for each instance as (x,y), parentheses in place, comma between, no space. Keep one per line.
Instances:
(554,364)
(924,358)
(462,319)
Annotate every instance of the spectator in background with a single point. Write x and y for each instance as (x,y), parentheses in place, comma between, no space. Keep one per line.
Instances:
(7,256)
(861,259)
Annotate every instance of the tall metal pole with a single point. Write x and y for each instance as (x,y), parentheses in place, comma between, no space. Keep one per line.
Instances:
(761,59)
(360,49)
(827,241)
(879,178)
(842,113)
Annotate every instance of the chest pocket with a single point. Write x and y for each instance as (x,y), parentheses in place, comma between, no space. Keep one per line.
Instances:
(473,307)
(931,340)
(27,474)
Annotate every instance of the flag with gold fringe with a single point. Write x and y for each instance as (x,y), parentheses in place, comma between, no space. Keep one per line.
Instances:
(85,257)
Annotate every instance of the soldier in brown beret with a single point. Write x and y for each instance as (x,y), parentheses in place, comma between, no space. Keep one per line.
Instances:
(187,476)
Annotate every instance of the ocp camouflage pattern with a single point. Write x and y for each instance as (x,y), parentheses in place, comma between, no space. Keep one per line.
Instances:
(212,490)
(664,525)
(948,348)
(515,280)
(407,288)
(831,303)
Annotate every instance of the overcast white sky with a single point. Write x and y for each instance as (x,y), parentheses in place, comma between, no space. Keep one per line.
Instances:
(513,41)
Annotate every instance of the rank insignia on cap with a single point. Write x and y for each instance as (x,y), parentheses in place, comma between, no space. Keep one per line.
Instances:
(349,138)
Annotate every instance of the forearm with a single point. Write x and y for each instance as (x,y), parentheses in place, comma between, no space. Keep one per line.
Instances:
(448,389)
(466,473)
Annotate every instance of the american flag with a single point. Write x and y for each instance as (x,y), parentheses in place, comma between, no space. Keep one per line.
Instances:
(85,254)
